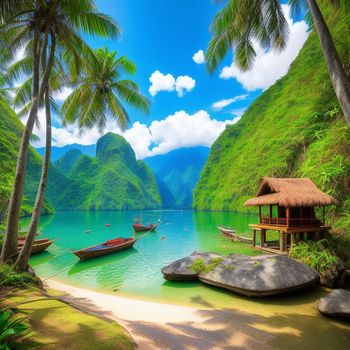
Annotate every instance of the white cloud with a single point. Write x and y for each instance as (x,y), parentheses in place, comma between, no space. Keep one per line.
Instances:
(270,66)
(161,82)
(238,113)
(219,105)
(63,94)
(184,83)
(162,136)
(199,57)
(167,82)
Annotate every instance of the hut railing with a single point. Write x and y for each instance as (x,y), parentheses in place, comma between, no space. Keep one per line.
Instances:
(292,221)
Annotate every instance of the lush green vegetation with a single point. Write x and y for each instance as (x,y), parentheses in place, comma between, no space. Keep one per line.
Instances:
(10,132)
(177,173)
(11,278)
(114,179)
(199,265)
(57,325)
(315,254)
(294,129)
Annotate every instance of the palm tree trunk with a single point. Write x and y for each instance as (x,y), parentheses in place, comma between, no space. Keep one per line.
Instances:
(23,257)
(9,248)
(336,70)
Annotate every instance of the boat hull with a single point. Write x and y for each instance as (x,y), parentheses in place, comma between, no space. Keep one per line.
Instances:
(232,235)
(85,254)
(149,228)
(39,245)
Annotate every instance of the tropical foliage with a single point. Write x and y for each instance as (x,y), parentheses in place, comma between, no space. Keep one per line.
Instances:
(315,254)
(101,91)
(293,129)
(244,24)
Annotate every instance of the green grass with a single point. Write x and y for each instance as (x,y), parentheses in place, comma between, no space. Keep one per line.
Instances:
(294,129)
(317,255)
(57,325)
(9,278)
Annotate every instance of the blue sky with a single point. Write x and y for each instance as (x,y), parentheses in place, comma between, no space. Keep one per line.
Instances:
(161,38)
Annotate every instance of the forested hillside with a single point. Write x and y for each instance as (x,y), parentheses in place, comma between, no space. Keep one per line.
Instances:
(177,173)
(113,180)
(295,128)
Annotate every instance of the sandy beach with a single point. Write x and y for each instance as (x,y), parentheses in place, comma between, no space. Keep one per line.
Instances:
(172,327)
(157,325)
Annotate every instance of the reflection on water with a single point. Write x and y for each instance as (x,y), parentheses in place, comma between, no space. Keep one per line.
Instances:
(136,272)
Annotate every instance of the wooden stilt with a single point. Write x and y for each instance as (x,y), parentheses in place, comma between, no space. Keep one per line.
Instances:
(283,243)
(263,238)
(254,238)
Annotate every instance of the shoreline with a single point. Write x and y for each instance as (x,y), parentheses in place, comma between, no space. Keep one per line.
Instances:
(154,325)
(128,309)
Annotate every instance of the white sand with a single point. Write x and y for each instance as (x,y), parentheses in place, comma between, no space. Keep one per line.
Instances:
(129,309)
(157,326)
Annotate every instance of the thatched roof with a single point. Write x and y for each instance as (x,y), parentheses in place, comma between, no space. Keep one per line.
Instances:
(290,192)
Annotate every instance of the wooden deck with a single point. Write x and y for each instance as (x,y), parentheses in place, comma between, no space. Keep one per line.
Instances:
(285,229)
(288,236)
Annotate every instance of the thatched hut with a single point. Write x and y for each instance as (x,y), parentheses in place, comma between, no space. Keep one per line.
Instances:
(291,206)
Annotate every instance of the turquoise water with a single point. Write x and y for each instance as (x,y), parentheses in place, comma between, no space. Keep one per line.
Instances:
(293,320)
(135,271)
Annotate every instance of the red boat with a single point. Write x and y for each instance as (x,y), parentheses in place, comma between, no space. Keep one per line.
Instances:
(108,247)
(140,228)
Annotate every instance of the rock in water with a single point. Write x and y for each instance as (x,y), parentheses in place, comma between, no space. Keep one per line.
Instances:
(248,275)
(260,275)
(335,304)
(180,270)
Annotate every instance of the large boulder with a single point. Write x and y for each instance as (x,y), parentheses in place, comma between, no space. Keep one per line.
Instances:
(182,270)
(335,304)
(248,275)
(260,275)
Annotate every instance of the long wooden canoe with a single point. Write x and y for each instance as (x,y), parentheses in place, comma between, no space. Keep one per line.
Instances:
(39,245)
(149,228)
(108,247)
(232,234)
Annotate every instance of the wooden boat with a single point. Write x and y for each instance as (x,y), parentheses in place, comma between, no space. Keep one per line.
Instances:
(108,247)
(39,245)
(232,235)
(140,228)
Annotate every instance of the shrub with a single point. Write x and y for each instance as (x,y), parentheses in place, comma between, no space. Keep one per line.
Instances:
(11,278)
(317,255)
(199,265)
(12,329)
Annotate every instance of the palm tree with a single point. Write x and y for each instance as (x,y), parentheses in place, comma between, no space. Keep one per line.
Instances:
(39,25)
(101,91)
(242,21)
(22,100)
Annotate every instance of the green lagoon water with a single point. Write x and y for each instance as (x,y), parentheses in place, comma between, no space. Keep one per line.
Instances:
(135,271)
(293,320)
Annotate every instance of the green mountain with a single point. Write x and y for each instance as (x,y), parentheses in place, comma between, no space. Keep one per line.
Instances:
(113,180)
(68,159)
(295,128)
(10,133)
(177,173)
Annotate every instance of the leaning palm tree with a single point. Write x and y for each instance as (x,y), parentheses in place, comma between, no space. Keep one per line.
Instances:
(101,92)
(22,102)
(241,22)
(41,25)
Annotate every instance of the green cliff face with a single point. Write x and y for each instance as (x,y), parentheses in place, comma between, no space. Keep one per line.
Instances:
(10,133)
(113,180)
(292,129)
